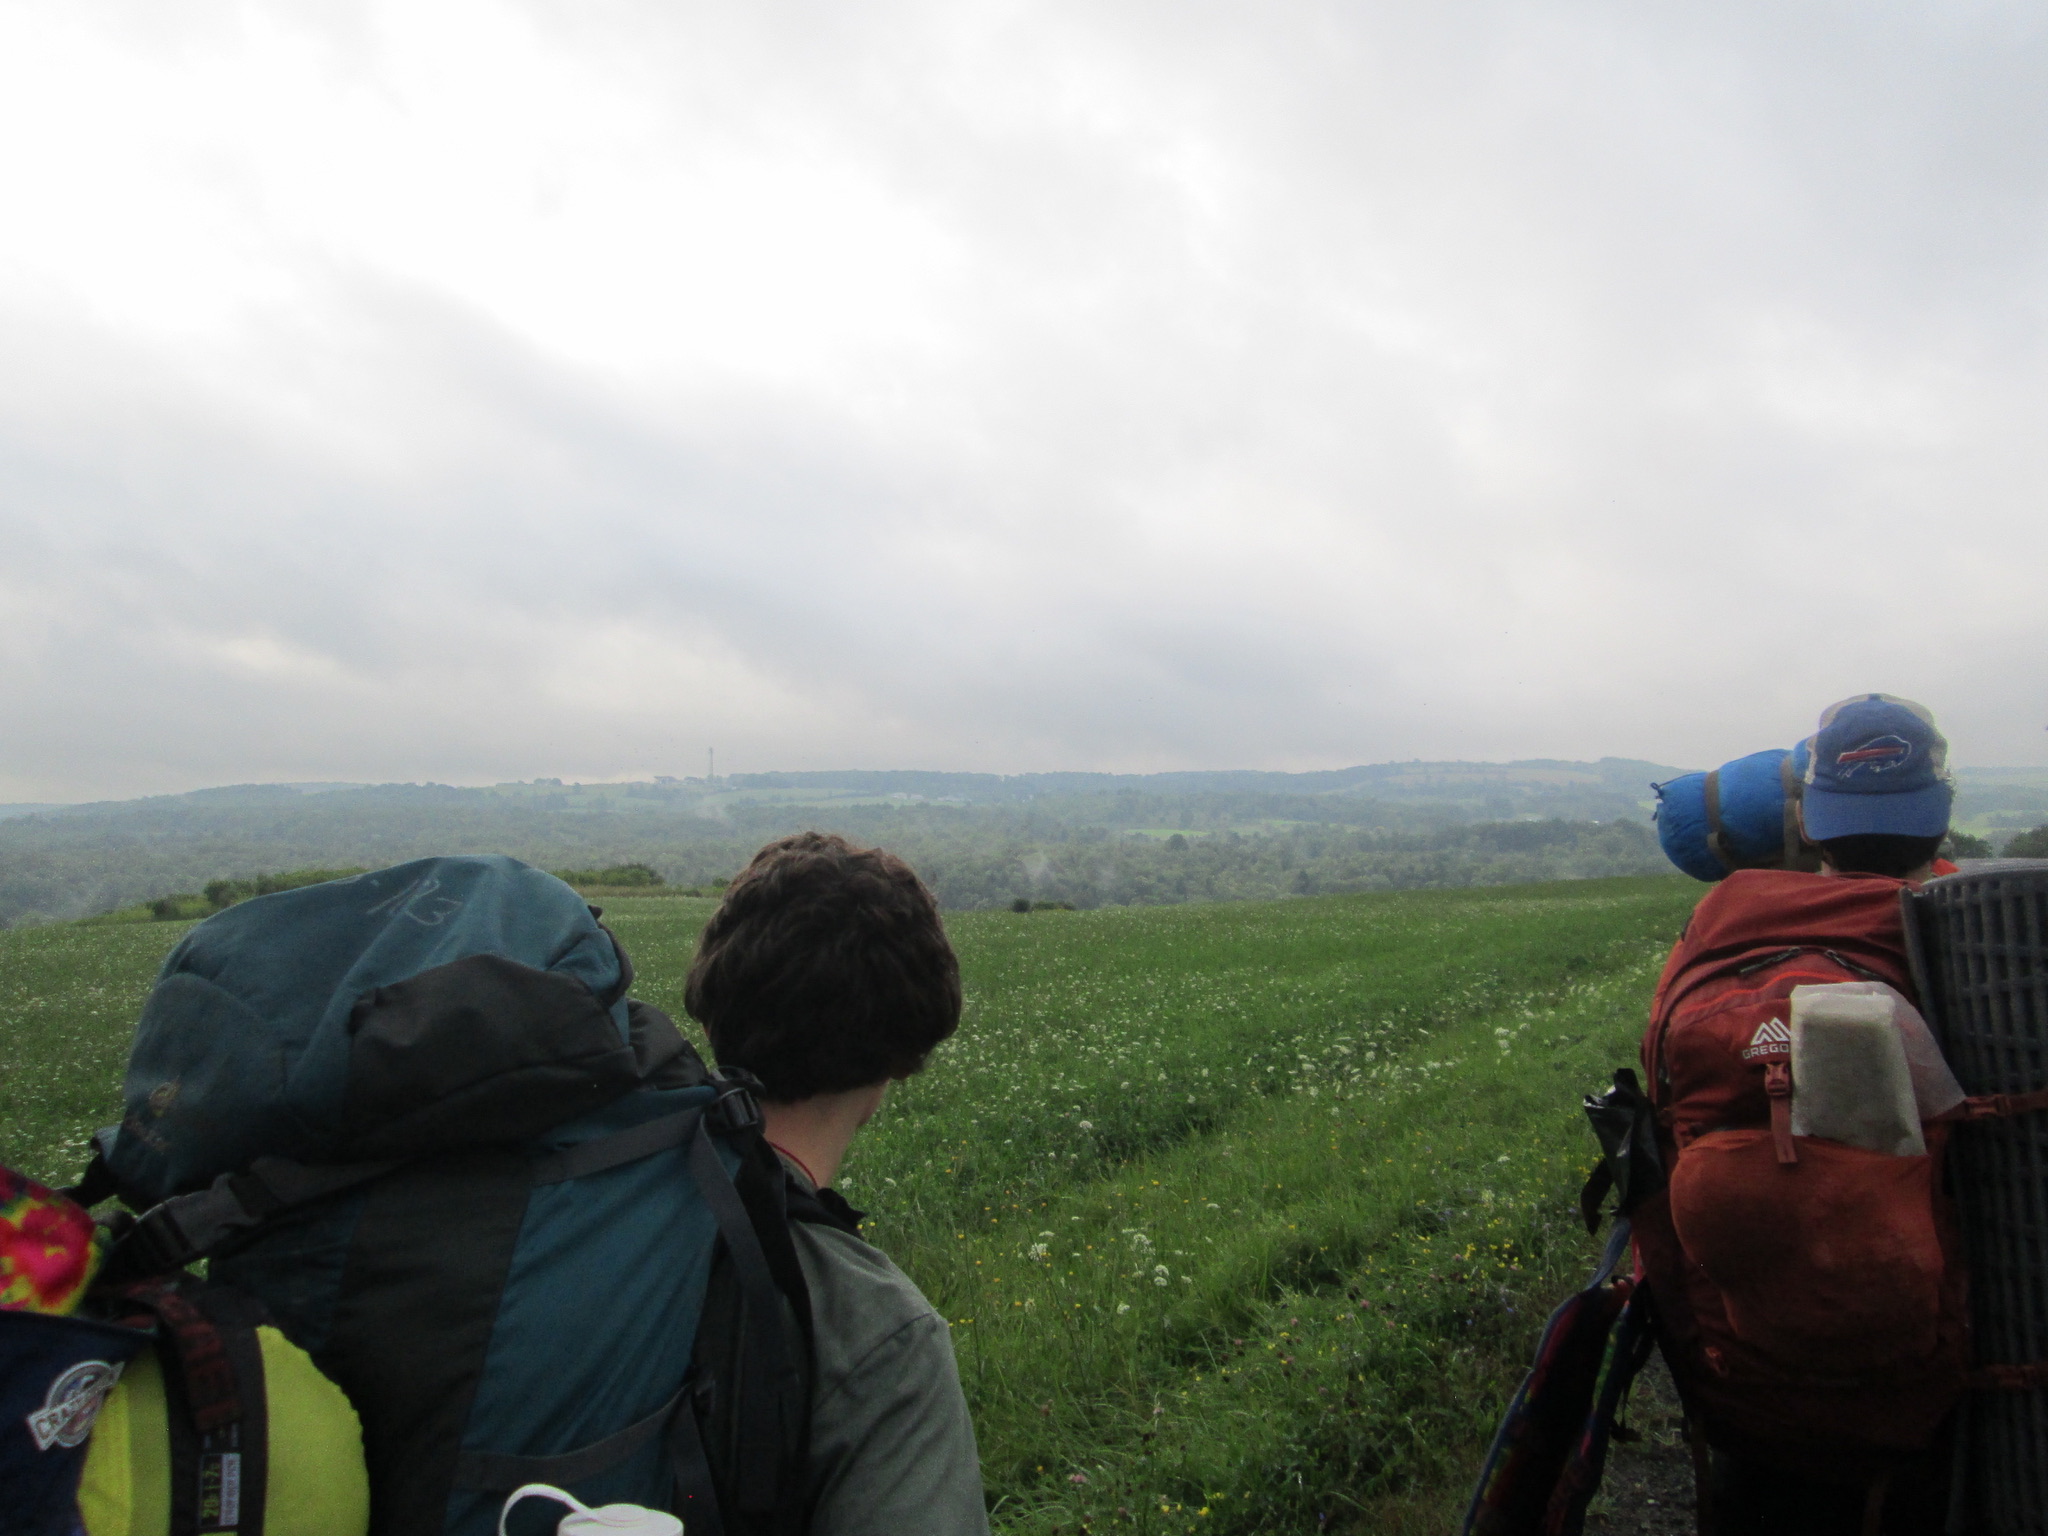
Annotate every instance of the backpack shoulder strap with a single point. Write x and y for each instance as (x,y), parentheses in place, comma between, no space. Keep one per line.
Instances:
(744,1431)
(742,1446)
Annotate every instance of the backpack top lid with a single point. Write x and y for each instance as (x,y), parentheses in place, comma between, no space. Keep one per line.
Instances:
(440,1003)
(1755,912)
(1747,810)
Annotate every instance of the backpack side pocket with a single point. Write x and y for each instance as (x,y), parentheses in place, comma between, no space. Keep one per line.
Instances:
(1831,1266)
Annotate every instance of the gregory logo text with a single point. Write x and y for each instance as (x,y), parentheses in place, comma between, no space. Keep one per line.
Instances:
(1772,1038)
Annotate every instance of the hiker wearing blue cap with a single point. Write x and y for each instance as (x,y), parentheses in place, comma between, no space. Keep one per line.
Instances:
(1877,790)
(1810,1296)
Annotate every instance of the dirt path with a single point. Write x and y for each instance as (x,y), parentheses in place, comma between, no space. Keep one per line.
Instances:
(1648,1487)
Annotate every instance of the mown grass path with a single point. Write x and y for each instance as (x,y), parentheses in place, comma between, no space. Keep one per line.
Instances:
(1245,1215)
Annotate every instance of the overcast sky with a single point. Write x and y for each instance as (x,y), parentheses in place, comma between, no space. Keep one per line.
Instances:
(476,391)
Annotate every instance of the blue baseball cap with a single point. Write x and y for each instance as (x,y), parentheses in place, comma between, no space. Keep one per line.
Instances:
(1877,765)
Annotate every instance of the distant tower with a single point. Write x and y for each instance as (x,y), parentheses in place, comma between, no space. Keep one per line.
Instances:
(711,765)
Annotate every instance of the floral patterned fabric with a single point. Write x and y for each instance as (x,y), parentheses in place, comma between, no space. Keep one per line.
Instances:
(47,1247)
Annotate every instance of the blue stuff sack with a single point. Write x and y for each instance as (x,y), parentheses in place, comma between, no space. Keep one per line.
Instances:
(55,1372)
(430,1005)
(1742,815)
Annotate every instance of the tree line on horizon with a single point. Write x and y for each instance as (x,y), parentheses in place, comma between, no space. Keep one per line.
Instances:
(1094,849)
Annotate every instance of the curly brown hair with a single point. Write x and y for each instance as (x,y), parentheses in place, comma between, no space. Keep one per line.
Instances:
(824,969)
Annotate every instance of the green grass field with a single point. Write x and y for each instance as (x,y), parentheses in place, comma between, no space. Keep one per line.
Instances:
(1245,1215)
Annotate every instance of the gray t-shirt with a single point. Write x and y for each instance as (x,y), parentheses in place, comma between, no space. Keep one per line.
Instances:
(892,1448)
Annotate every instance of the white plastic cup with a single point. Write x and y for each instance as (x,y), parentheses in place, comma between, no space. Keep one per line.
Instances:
(608,1520)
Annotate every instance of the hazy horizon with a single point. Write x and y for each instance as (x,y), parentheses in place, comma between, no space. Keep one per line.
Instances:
(315,786)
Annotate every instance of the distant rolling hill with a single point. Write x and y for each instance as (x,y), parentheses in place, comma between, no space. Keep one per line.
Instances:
(981,839)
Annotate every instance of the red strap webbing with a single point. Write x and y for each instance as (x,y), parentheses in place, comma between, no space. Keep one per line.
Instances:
(1997,1106)
(1778,1084)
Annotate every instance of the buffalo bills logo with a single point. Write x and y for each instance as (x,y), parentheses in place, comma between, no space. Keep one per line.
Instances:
(1881,754)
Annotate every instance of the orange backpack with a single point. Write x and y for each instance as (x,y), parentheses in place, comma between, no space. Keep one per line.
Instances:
(1811,1295)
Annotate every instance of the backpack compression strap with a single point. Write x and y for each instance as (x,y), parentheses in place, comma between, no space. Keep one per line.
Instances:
(1998,1106)
(185,1228)
(1717,839)
(1789,782)
(1717,844)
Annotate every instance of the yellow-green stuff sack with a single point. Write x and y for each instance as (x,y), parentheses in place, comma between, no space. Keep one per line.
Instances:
(313,1476)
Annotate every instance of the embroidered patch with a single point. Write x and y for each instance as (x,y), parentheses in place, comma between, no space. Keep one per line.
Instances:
(72,1403)
(1880,754)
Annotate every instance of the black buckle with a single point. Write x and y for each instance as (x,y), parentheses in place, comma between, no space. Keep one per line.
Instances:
(148,1245)
(175,1233)
(738,1106)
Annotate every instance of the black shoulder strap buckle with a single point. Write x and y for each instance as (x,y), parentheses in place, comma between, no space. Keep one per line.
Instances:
(150,1244)
(177,1232)
(738,1105)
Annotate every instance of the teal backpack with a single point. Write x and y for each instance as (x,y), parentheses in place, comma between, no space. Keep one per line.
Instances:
(415,1114)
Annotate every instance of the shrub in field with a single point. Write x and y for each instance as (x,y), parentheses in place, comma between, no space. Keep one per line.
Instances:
(180,907)
(2028,845)
(616,876)
(222,894)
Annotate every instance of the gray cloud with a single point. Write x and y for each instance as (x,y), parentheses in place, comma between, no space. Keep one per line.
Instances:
(1003,388)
